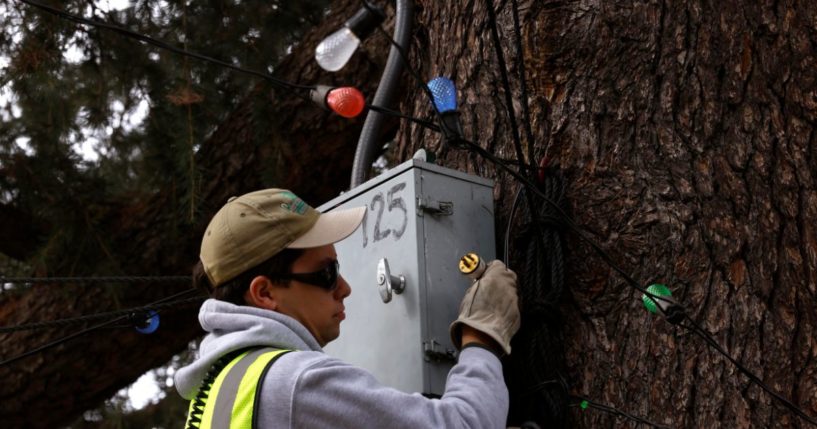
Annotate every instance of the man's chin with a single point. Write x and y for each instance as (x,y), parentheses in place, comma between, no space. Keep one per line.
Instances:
(333,336)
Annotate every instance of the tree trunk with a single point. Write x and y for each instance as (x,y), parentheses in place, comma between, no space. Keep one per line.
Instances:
(685,132)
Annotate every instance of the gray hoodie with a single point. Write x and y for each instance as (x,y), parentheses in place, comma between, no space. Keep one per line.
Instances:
(309,389)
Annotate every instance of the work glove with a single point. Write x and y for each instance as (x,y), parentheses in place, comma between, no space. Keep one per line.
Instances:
(491,306)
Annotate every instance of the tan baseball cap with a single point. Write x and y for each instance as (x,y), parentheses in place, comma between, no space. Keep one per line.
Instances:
(254,227)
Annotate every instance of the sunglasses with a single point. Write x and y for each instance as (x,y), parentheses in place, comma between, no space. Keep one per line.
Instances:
(325,278)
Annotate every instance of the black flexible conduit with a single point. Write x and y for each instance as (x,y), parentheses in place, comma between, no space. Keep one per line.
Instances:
(537,384)
(367,145)
(200,401)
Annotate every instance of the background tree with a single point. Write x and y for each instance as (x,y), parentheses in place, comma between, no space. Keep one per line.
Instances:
(684,130)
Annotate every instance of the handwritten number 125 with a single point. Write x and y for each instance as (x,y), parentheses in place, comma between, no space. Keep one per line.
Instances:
(391,203)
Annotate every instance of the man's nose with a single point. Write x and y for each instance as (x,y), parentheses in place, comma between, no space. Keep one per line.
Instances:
(343,289)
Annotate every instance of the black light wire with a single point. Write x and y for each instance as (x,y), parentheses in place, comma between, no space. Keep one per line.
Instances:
(617,412)
(427,124)
(163,45)
(703,333)
(517,143)
(523,86)
(97,316)
(567,221)
(514,206)
(543,272)
(88,330)
(503,73)
(280,83)
(417,78)
(99,279)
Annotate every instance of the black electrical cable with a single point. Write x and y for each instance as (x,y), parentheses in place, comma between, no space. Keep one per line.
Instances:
(418,79)
(503,73)
(59,341)
(700,331)
(514,206)
(427,124)
(163,45)
(96,316)
(89,280)
(615,411)
(87,330)
(523,85)
(516,163)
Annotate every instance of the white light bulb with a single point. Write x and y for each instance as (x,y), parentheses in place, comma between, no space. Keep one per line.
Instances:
(334,51)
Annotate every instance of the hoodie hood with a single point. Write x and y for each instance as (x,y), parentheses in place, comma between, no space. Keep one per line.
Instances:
(232,327)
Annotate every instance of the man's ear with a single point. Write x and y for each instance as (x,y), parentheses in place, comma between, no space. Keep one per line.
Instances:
(262,293)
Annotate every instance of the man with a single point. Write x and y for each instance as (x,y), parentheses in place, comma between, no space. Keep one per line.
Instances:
(268,260)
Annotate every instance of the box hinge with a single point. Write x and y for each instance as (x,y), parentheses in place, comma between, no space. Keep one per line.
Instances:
(434,352)
(435,208)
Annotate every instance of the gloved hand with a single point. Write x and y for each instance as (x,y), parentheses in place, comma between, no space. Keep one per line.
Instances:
(491,306)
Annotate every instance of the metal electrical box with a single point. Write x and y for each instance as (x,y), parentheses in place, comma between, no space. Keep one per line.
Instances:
(402,267)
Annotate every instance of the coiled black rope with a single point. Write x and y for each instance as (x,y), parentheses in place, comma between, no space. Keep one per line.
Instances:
(539,390)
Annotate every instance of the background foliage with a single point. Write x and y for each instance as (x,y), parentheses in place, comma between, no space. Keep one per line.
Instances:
(92,119)
(70,89)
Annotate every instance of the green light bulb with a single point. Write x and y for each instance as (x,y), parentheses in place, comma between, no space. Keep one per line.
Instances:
(656,289)
(584,404)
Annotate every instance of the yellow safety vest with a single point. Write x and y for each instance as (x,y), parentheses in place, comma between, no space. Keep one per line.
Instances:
(229,393)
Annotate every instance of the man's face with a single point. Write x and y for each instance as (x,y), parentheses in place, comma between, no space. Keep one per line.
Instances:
(319,310)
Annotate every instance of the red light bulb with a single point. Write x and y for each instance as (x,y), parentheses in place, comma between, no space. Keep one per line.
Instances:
(346,101)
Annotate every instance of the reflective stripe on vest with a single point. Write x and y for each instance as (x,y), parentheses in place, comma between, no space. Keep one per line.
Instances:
(234,393)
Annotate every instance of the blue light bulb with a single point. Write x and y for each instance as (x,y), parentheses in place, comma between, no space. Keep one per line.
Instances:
(148,323)
(444,93)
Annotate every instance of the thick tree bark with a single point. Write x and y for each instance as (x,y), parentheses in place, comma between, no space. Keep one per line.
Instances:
(685,130)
